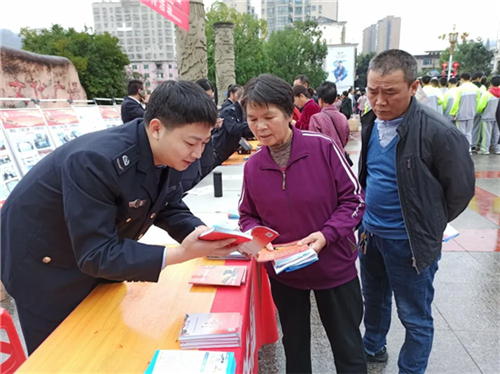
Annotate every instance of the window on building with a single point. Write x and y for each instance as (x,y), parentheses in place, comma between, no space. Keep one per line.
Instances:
(146,75)
(168,40)
(130,41)
(170,48)
(130,34)
(119,18)
(139,56)
(137,25)
(127,18)
(320,8)
(159,75)
(146,66)
(131,56)
(170,56)
(136,17)
(138,40)
(158,66)
(128,25)
(170,75)
(126,10)
(135,9)
(121,34)
(118,11)
(134,67)
(147,41)
(97,26)
(427,62)
(97,18)
(138,48)
(96,11)
(145,33)
(147,56)
(298,10)
(313,8)
(112,18)
(148,84)
(137,33)
(298,19)
(170,66)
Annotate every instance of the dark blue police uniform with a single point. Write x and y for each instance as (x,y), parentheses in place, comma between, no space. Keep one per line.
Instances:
(74,220)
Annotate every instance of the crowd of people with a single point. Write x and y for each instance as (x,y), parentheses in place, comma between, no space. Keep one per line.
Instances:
(75,219)
(472,103)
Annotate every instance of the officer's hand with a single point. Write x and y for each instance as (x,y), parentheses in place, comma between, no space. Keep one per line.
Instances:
(316,241)
(193,247)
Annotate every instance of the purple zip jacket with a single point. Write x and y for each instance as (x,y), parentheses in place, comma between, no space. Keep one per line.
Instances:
(317,191)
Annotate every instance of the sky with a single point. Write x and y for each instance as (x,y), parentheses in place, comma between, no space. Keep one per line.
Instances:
(422,20)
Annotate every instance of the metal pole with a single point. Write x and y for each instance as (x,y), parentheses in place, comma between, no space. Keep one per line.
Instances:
(449,66)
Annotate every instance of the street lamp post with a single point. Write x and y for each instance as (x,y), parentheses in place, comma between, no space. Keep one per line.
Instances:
(453,36)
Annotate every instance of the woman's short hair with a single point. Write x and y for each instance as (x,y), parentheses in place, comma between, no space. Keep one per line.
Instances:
(268,89)
(301,90)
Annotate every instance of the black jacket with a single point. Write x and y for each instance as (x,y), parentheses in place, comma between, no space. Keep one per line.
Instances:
(74,220)
(346,108)
(131,109)
(226,103)
(435,176)
(226,139)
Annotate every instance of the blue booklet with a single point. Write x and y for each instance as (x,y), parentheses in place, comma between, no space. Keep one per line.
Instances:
(177,361)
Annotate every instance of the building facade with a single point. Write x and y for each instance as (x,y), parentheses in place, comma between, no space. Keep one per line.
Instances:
(281,13)
(241,6)
(383,35)
(145,36)
(429,62)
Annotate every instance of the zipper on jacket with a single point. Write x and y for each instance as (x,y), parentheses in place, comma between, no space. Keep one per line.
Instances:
(408,165)
(283,171)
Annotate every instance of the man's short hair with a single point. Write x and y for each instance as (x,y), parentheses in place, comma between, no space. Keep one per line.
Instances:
(134,86)
(483,81)
(180,103)
(465,76)
(345,93)
(495,81)
(477,75)
(453,81)
(393,60)
(443,81)
(303,79)
(205,84)
(426,79)
(268,89)
(327,92)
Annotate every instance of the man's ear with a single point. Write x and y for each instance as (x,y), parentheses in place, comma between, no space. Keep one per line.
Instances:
(154,128)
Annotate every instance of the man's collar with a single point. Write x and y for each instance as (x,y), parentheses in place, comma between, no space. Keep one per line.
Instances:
(133,98)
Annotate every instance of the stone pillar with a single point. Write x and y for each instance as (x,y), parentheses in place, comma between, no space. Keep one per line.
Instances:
(191,46)
(224,57)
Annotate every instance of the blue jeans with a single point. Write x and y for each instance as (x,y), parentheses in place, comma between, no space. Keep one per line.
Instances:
(387,267)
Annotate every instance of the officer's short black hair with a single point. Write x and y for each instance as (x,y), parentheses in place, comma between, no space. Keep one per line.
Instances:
(134,86)
(426,79)
(327,92)
(268,89)
(179,103)
(205,84)
(453,81)
(443,81)
(495,81)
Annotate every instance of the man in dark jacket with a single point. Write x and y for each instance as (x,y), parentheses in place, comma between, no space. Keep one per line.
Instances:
(134,104)
(346,108)
(74,220)
(418,176)
(226,138)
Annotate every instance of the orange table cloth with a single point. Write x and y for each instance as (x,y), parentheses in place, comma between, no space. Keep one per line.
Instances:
(118,327)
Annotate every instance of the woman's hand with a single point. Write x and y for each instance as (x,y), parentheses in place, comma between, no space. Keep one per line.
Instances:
(316,241)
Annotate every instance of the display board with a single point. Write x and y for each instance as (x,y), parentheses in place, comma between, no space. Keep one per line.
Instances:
(63,125)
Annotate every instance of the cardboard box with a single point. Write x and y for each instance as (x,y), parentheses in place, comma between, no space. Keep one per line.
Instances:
(353,125)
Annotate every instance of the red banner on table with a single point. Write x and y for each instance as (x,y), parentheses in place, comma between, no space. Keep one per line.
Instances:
(176,11)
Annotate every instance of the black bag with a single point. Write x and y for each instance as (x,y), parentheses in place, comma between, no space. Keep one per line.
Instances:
(346,155)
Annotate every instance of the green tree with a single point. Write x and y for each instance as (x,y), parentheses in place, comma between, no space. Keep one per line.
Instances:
(472,55)
(249,40)
(97,57)
(297,50)
(362,62)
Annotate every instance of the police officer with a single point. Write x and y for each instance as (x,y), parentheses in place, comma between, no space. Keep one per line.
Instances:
(74,220)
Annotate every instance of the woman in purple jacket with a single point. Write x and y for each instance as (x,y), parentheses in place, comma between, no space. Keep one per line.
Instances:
(300,185)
